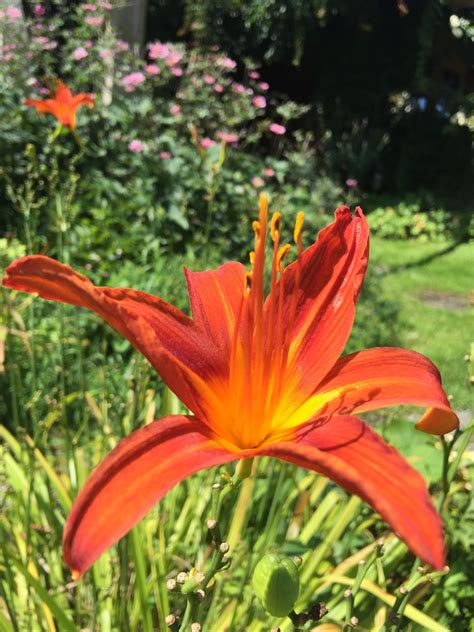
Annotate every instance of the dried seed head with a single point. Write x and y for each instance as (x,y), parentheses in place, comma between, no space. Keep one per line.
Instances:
(354,621)
(211,524)
(224,547)
(200,594)
(170,620)
(181,577)
(171,584)
(403,590)
(195,627)
(347,593)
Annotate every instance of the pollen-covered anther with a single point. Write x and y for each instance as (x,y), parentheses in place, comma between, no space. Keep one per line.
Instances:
(298,232)
(281,254)
(275,226)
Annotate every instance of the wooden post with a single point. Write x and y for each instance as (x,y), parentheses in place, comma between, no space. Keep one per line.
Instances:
(130,22)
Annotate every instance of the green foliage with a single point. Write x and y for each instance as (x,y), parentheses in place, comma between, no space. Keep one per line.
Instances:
(407,221)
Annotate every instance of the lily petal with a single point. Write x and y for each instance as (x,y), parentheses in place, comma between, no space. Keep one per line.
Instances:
(347,451)
(385,376)
(130,480)
(332,271)
(215,297)
(171,341)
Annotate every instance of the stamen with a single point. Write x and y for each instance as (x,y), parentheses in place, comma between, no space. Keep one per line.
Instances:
(275,226)
(297,235)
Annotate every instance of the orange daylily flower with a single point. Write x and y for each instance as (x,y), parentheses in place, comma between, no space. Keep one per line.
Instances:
(63,105)
(262,377)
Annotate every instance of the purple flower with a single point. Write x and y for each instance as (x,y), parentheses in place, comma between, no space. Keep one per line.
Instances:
(157,50)
(275,128)
(207,142)
(226,62)
(79,53)
(227,137)
(136,146)
(132,80)
(152,69)
(39,10)
(94,21)
(259,102)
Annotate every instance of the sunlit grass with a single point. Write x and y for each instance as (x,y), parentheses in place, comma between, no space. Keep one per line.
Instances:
(433,284)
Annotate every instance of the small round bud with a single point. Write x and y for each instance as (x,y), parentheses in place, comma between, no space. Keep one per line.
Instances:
(276,583)
(403,590)
(226,558)
(170,620)
(354,621)
(181,577)
(347,593)
(200,594)
(195,627)
(216,486)
(171,584)
(224,547)
(211,524)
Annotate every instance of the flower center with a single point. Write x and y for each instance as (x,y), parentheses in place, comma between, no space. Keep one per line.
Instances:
(259,357)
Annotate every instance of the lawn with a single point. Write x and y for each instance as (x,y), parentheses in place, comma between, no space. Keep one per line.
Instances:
(433,285)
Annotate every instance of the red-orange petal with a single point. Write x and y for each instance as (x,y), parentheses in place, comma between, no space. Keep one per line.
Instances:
(347,451)
(181,353)
(332,271)
(130,480)
(215,297)
(386,376)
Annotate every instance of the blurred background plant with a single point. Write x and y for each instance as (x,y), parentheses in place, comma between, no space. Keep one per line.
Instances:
(318,103)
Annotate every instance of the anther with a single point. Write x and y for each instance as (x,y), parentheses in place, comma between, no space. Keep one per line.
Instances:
(248,283)
(297,235)
(282,252)
(275,226)
(252,258)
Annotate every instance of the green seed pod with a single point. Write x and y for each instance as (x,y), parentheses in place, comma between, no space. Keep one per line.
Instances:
(276,584)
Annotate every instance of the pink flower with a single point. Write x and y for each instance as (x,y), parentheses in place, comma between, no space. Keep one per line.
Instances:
(259,102)
(351,183)
(39,10)
(122,46)
(165,155)
(263,86)
(254,74)
(158,51)
(50,45)
(277,129)
(269,173)
(257,182)
(239,88)
(94,21)
(108,6)
(89,7)
(89,44)
(173,58)
(152,69)
(13,13)
(226,62)
(136,146)
(79,53)
(7,57)
(218,88)
(227,137)
(177,72)
(132,80)
(32,81)
(104,53)
(41,40)
(43,91)
(207,142)
(175,110)
(209,79)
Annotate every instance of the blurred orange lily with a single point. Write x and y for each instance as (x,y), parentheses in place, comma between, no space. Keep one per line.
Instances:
(262,377)
(63,105)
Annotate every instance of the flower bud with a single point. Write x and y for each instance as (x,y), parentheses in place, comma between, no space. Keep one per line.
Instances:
(276,584)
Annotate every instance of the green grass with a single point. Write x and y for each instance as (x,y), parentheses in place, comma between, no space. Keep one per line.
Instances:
(432,285)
